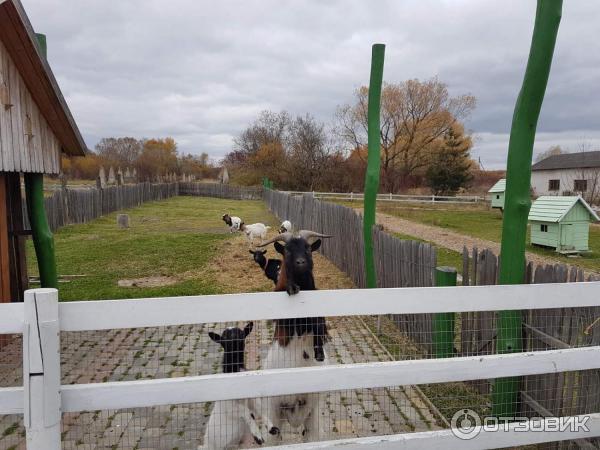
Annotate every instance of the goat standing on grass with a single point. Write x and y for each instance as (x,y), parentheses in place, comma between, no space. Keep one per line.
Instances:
(255,230)
(297,342)
(234,222)
(269,266)
(231,422)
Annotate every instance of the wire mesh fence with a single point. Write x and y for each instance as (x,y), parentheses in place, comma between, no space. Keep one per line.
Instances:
(203,349)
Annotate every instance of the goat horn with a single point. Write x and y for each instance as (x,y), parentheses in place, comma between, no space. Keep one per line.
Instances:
(308,234)
(285,237)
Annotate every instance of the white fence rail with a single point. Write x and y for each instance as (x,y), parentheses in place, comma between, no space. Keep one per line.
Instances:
(42,400)
(356,196)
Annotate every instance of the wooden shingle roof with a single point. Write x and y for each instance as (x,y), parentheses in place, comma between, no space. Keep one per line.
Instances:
(555,208)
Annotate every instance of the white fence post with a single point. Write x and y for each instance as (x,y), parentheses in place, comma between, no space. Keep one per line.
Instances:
(41,370)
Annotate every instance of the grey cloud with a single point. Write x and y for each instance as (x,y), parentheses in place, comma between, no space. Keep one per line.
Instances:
(201,71)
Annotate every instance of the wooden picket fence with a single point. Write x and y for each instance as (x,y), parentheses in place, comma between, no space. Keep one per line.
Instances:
(399,263)
(543,329)
(221,191)
(72,206)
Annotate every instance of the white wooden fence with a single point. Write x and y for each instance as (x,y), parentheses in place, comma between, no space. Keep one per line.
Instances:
(358,196)
(42,399)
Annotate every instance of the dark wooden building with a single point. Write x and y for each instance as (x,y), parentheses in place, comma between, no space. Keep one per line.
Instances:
(36,126)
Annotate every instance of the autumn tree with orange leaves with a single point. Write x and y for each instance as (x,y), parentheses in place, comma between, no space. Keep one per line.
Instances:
(414,116)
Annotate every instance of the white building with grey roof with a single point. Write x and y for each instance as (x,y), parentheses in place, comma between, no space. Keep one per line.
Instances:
(568,174)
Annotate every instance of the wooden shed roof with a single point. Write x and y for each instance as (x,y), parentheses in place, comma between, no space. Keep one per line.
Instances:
(500,186)
(555,208)
(20,41)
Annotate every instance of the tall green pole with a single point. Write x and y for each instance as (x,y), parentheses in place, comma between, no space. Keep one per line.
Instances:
(43,241)
(373,160)
(518,181)
(443,323)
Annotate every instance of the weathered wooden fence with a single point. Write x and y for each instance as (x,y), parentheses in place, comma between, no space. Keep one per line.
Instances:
(221,191)
(399,263)
(71,206)
(543,329)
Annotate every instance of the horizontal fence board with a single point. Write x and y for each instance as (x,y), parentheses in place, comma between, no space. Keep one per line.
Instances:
(11,318)
(11,400)
(111,314)
(446,440)
(264,383)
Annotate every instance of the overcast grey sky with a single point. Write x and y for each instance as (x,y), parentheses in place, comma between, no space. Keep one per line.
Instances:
(200,71)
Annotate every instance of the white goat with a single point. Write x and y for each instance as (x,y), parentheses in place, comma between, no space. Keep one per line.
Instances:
(232,422)
(300,410)
(255,230)
(286,226)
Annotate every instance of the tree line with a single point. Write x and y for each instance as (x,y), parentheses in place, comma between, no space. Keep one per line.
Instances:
(151,158)
(423,143)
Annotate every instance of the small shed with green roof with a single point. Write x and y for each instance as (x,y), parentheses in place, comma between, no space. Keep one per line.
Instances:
(497,192)
(562,223)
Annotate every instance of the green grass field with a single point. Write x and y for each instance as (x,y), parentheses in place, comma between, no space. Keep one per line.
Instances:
(172,238)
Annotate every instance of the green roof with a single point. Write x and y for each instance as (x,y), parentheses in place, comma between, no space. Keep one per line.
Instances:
(555,208)
(500,186)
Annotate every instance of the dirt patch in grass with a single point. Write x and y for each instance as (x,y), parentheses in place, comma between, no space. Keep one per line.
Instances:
(234,270)
(148,282)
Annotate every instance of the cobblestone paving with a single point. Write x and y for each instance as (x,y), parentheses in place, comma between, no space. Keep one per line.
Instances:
(133,354)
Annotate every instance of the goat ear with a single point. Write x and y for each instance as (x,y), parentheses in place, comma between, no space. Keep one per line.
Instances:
(251,252)
(263,252)
(215,337)
(279,247)
(248,328)
(315,245)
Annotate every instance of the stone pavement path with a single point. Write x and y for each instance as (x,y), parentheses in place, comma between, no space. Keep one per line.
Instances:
(117,355)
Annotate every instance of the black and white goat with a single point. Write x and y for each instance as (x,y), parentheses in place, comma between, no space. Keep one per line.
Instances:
(269,266)
(234,222)
(297,342)
(232,422)
(285,227)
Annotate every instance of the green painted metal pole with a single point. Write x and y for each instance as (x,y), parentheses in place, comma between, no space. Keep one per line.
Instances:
(373,159)
(43,241)
(443,323)
(518,181)
(41,39)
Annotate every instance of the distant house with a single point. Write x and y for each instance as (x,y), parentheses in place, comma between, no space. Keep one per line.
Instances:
(568,174)
(497,193)
(561,223)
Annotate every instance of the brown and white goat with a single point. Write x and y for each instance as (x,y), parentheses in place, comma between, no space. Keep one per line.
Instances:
(297,342)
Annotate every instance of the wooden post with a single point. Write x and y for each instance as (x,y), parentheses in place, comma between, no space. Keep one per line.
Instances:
(41,370)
